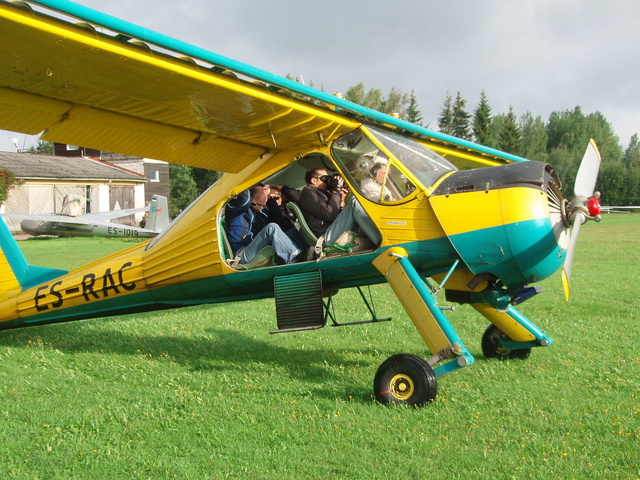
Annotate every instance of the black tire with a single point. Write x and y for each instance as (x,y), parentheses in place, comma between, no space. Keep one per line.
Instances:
(491,346)
(405,379)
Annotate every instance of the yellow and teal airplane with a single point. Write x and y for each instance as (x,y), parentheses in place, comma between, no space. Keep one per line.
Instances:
(455,217)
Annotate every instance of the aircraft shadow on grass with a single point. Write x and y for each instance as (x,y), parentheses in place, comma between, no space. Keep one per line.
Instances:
(225,351)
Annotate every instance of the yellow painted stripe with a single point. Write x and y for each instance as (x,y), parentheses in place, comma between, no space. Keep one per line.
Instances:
(8,280)
(504,322)
(174,65)
(469,211)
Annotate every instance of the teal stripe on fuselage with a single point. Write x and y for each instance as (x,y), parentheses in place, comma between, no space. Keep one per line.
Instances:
(519,253)
(349,271)
(26,275)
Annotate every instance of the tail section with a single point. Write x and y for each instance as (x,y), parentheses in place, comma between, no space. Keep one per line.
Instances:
(15,271)
(158,218)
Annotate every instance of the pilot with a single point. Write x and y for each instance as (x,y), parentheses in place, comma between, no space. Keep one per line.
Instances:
(247,236)
(371,186)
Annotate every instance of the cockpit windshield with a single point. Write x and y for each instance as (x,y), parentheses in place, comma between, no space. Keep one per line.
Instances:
(421,161)
(379,173)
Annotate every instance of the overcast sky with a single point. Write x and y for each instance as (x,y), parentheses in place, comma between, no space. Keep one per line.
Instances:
(535,55)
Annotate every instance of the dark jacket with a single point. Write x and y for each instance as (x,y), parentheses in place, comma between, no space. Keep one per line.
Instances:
(238,218)
(243,223)
(320,208)
(272,213)
(291,194)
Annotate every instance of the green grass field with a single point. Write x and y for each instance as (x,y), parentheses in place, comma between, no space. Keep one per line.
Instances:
(206,392)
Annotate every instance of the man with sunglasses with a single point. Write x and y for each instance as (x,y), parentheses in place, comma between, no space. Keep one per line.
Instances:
(322,202)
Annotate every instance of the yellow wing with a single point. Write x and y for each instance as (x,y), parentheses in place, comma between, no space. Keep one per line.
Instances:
(104,90)
(92,89)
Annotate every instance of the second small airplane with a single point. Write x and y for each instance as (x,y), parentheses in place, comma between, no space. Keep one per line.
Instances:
(68,224)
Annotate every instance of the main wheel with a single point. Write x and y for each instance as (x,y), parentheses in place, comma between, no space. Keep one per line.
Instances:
(405,379)
(492,345)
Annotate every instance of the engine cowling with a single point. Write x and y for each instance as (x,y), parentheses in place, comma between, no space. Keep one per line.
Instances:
(506,221)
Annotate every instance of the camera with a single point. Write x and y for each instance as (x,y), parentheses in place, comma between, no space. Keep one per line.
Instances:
(334,182)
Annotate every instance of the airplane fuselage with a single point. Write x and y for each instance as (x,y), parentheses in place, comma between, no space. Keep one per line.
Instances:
(517,246)
(66,229)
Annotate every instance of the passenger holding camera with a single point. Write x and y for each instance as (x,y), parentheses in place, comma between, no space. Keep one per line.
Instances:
(319,204)
(322,201)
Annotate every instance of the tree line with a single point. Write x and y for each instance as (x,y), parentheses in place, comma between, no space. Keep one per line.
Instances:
(561,140)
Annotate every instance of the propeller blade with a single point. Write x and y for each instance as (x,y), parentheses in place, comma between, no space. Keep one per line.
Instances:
(588,171)
(566,270)
(584,186)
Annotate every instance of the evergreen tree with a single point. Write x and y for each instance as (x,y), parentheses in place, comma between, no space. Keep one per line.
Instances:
(482,122)
(495,129)
(460,122)
(182,187)
(510,137)
(534,138)
(411,113)
(445,120)
(204,178)
(632,153)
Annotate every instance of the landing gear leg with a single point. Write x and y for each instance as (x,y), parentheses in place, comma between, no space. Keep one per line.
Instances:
(511,334)
(409,379)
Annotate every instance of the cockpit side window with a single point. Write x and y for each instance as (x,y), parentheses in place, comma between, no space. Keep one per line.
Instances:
(370,170)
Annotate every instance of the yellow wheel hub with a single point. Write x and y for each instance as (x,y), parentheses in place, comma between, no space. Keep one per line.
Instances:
(402,387)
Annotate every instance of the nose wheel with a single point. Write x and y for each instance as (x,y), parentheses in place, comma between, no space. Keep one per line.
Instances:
(405,379)
(493,341)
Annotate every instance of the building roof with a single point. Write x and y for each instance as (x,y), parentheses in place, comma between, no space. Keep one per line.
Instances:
(31,166)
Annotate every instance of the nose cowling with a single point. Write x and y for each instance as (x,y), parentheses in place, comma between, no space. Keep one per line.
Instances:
(506,221)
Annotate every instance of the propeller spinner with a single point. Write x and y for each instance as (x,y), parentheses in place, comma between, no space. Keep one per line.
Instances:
(585,206)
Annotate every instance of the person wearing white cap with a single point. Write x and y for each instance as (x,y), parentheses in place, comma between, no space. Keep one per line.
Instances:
(371,186)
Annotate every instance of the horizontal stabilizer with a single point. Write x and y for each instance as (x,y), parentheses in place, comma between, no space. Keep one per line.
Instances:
(15,271)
